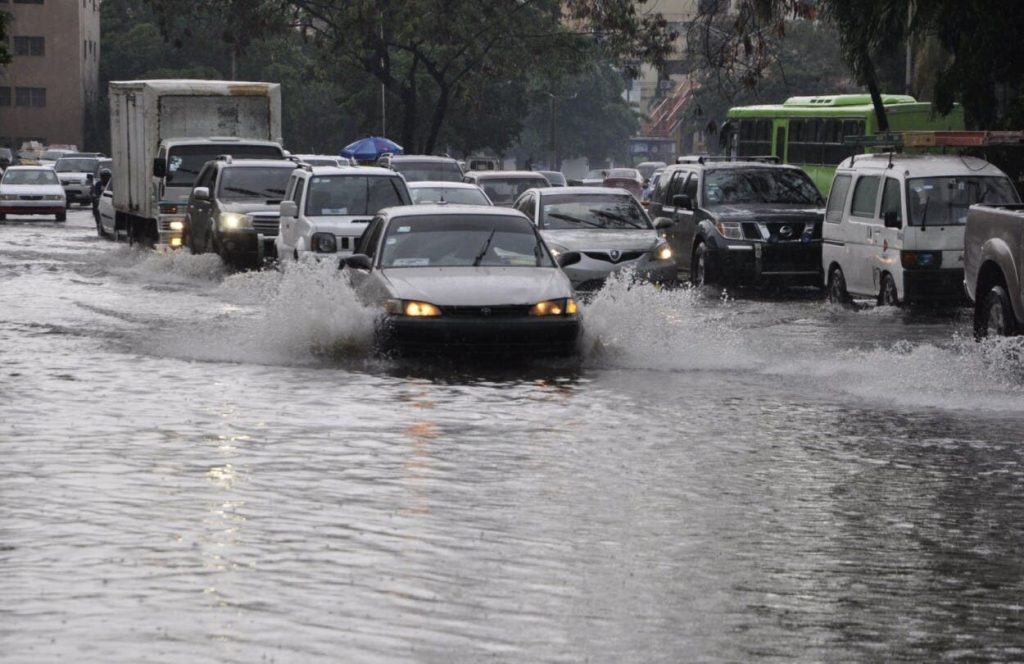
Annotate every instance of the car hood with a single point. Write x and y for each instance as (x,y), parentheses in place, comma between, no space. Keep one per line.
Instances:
(767,212)
(32,189)
(347,225)
(477,286)
(73,175)
(255,208)
(602,240)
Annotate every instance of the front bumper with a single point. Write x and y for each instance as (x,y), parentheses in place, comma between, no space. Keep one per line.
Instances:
(763,262)
(478,335)
(590,274)
(32,207)
(78,192)
(942,285)
(246,245)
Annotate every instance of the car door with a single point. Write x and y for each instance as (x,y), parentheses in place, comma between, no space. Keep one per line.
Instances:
(676,233)
(686,220)
(834,249)
(863,236)
(289,225)
(367,283)
(889,240)
(199,210)
(105,208)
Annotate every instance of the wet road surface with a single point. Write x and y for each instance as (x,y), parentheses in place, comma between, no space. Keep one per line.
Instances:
(200,466)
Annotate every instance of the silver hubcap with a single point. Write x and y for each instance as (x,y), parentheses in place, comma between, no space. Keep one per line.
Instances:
(996,319)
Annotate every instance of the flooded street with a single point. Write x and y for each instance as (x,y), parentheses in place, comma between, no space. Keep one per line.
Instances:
(201,466)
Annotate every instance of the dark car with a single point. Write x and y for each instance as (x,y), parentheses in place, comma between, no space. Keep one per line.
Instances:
(235,209)
(464,279)
(417,168)
(742,222)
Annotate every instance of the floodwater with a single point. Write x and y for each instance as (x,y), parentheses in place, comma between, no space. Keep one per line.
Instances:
(199,466)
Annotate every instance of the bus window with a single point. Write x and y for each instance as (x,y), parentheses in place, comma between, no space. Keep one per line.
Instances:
(755,138)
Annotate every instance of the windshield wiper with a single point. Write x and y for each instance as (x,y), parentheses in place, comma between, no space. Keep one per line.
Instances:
(246,192)
(609,215)
(577,220)
(487,245)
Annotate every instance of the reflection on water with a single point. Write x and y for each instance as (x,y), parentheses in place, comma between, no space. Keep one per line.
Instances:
(203,466)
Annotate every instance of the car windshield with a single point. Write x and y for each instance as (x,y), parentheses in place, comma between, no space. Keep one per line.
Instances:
(185,161)
(421,171)
(505,191)
(622,173)
(33,176)
(759,185)
(601,211)
(53,155)
(453,195)
(353,194)
(78,165)
(554,178)
(647,170)
(463,241)
(246,183)
(943,201)
(596,174)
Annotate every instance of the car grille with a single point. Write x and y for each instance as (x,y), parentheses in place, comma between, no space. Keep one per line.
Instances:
(501,311)
(266,225)
(794,231)
(31,197)
(604,256)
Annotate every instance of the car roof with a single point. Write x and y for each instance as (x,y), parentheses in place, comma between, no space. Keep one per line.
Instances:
(506,174)
(920,165)
(424,184)
(31,167)
(420,157)
(449,210)
(352,170)
(256,162)
(588,191)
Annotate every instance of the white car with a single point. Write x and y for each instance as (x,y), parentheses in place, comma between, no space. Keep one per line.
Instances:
(32,190)
(76,174)
(105,226)
(894,225)
(326,208)
(453,193)
(321,160)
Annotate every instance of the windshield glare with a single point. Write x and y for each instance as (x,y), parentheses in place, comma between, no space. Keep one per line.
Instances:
(453,195)
(253,183)
(76,165)
(943,201)
(465,241)
(35,176)
(764,185)
(423,171)
(185,161)
(579,211)
(505,191)
(353,194)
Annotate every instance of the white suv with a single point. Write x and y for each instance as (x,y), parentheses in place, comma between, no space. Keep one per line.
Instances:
(894,225)
(327,208)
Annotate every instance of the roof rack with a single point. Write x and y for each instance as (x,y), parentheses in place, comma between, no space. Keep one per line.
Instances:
(926,139)
(226,158)
(706,158)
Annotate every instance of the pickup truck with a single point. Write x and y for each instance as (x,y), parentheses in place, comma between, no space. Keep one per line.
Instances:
(994,267)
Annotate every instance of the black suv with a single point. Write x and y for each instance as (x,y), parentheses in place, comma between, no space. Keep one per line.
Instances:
(749,222)
(235,209)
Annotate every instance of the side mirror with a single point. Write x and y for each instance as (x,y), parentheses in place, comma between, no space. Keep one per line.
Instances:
(159,167)
(892,220)
(201,193)
(682,201)
(289,209)
(357,262)
(662,223)
(568,258)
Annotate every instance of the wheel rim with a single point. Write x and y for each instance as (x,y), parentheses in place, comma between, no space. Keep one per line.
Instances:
(996,319)
(700,267)
(835,290)
(889,293)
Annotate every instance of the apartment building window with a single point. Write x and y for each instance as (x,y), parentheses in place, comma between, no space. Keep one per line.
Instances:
(28,2)
(30,46)
(30,97)
(5,93)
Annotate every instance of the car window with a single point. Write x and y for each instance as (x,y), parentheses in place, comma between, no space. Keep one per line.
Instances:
(205,178)
(675,186)
(253,183)
(368,240)
(453,195)
(504,190)
(41,176)
(418,171)
(837,198)
(353,194)
(743,186)
(585,211)
(891,199)
(690,188)
(943,201)
(462,241)
(865,195)
(661,188)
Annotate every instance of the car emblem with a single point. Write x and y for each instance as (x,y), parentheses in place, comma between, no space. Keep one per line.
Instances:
(485,311)
(786,231)
(615,255)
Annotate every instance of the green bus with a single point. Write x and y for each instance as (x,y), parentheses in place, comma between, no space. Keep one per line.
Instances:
(809,131)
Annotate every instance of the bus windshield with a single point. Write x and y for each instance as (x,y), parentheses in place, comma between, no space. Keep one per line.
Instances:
(943,201)
(759,185)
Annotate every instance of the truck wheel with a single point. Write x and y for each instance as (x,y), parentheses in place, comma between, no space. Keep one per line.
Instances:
(994,315)
(700,270)
(837,293)
(888,296)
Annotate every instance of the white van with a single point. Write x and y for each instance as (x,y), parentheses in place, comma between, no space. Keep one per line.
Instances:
(894,225)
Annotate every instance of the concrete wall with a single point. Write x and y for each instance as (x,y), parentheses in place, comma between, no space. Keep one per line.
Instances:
(69,70)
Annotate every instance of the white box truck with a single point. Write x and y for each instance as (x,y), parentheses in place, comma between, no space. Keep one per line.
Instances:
(163,131)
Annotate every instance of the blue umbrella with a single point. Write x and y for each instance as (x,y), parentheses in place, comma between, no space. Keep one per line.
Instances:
(368,149)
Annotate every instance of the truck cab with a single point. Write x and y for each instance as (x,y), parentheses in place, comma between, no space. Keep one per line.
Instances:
(994,268)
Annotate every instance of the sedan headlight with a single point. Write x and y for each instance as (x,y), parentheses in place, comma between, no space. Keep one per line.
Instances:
(324,243)
(53,197)
(411,308)
(8,197)
(233,221)
(557,250)
(662,252)
(563,307)
(730,230)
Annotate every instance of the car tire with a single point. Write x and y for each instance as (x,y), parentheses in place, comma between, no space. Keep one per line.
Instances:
(888,296)
(61,216)
(700,268)
(3,217)
(99,228)
(994,315)
(837,293)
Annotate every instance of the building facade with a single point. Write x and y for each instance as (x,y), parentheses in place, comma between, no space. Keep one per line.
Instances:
(51,85)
